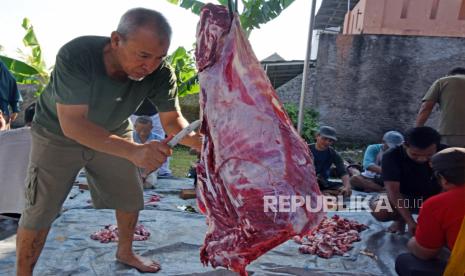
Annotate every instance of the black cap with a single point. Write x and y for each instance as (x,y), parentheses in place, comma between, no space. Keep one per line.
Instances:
(450,163)
(328,132)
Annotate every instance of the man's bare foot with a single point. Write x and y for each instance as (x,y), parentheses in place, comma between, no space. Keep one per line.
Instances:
(397,227)
(140,263)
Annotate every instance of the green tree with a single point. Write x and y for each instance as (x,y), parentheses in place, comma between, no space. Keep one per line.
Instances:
(184,67)
(32,69)
(253,14)
(310,122)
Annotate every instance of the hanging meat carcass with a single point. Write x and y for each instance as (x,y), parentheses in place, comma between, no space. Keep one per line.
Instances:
(251,151)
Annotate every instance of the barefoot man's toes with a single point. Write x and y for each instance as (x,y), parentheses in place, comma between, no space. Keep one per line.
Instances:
(140,263)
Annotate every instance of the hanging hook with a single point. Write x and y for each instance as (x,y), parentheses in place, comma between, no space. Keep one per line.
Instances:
(232,8)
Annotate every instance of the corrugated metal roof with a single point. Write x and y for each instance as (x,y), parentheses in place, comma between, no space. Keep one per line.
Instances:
(331,13)
(280,72)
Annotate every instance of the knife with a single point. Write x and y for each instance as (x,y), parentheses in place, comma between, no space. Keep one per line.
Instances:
(183,133)
(177,138)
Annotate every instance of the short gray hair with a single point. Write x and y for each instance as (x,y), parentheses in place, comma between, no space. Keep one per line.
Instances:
(143,120)
(141,17)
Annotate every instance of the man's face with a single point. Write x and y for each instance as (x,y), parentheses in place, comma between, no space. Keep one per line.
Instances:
(323,142)
(140,53)
(143,130)
(421,155)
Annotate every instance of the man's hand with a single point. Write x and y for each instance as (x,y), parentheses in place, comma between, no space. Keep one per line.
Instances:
(346,191)
(173,122)
(150,156)
(2,122)
(412,226)
(13,116)
(197,142)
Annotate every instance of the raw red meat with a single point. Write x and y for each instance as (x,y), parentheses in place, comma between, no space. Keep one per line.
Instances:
(250,150)
(333,236)
(153,200)
(110,234)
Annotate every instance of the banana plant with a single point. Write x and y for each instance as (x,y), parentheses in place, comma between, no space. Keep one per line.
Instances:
(254,13)
(33,69)
(184,67)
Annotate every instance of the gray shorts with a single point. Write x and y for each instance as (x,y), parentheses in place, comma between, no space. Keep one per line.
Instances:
(114,182)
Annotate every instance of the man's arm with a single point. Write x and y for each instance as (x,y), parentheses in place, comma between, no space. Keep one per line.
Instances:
(173,122)
(342,173)
(424,113)
(347,189)
(420,251)
(375,168)
(76,126)
(398,201)
(369,158)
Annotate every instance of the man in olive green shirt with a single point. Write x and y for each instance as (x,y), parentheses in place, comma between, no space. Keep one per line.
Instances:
(82,121)
(449,93)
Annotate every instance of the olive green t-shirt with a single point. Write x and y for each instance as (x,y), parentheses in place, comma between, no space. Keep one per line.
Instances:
(449,93)
(79,78)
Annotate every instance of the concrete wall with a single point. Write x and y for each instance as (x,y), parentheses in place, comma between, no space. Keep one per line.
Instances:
(407,17)
(290,91)
(287,93)
(190,107)
(368,84)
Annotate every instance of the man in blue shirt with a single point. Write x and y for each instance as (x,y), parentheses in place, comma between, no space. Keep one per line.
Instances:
(370,180)
(143,131)
(143,134)
(9,95)
(148,109)
(324,156)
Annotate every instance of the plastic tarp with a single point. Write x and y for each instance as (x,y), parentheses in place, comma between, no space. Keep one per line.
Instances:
(176,237)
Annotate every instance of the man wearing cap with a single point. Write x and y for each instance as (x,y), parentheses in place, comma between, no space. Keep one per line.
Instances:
(449,94)
(440,217)
(324,156)
(408,178)
(370,179)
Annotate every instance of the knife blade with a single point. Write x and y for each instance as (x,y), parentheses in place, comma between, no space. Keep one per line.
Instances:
(176,139)
(183,133)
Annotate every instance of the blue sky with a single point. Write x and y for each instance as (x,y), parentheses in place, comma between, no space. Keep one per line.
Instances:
(56,22)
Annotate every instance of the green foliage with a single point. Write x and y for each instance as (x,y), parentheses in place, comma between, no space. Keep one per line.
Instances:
(254,13)
(193,5)
(21,70)
(184,67)
(181,161)
(309,124)
(260,12)
(33,69)
(30,40)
